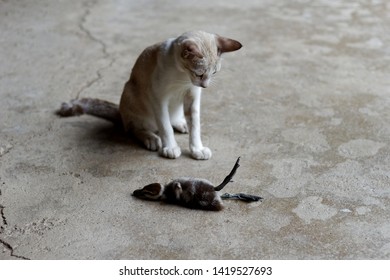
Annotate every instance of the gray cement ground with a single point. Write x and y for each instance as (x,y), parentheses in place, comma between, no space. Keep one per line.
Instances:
(305,104)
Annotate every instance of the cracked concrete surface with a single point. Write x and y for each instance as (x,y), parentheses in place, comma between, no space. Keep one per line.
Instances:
(305,104)
(7,247)
(83,27)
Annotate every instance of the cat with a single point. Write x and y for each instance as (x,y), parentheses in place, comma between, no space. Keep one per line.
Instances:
(163,93)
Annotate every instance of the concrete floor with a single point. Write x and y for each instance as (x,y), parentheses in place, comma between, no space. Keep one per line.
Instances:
(305,104)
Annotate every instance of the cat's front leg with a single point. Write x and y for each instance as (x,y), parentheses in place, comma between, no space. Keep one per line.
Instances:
(169,148)
(192,114)
(177,118)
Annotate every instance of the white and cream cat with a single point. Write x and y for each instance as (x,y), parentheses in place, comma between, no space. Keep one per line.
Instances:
(164,93)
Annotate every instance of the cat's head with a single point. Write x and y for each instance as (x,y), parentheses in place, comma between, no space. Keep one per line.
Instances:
(200,55)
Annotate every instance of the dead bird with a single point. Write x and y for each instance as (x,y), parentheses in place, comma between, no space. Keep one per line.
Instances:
(193,192)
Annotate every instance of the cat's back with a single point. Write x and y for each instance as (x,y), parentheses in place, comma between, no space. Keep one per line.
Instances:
(134,105)
(145,64)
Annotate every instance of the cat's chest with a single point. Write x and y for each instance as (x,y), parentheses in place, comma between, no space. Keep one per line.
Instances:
(172,84)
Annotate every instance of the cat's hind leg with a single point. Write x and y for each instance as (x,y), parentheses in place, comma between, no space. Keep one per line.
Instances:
(144,130)
(150,139)
(180,126)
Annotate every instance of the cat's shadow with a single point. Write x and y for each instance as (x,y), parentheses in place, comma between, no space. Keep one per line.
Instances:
(110,134)
(113,135)
(98,134)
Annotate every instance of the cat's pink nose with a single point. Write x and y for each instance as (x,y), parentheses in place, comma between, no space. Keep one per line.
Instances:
(204,84)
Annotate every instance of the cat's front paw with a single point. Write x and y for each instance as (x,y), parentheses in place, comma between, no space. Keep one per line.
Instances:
(201,154)
(169,152)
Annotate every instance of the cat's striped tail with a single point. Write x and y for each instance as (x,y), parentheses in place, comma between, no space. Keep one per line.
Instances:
(91,106)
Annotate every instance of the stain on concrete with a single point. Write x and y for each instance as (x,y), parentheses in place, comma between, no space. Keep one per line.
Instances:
(360,148)
(291,176)
(308,139)
(312,208)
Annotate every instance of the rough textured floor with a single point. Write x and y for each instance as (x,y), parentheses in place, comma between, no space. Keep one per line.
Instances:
(305,104)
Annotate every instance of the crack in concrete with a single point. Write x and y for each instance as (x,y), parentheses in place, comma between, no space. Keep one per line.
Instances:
(82,26)
(2,241)
(9,248)
(3,225)
(3,219)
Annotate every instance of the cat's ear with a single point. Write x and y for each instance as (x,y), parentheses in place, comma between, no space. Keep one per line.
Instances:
(227,45)
(190,50)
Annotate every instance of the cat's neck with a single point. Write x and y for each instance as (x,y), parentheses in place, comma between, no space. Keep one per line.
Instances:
(170,67)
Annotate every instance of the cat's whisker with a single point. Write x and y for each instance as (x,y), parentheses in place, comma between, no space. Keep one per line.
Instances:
(214,81)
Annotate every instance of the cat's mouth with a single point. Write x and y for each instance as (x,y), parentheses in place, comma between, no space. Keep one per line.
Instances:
(202,84)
